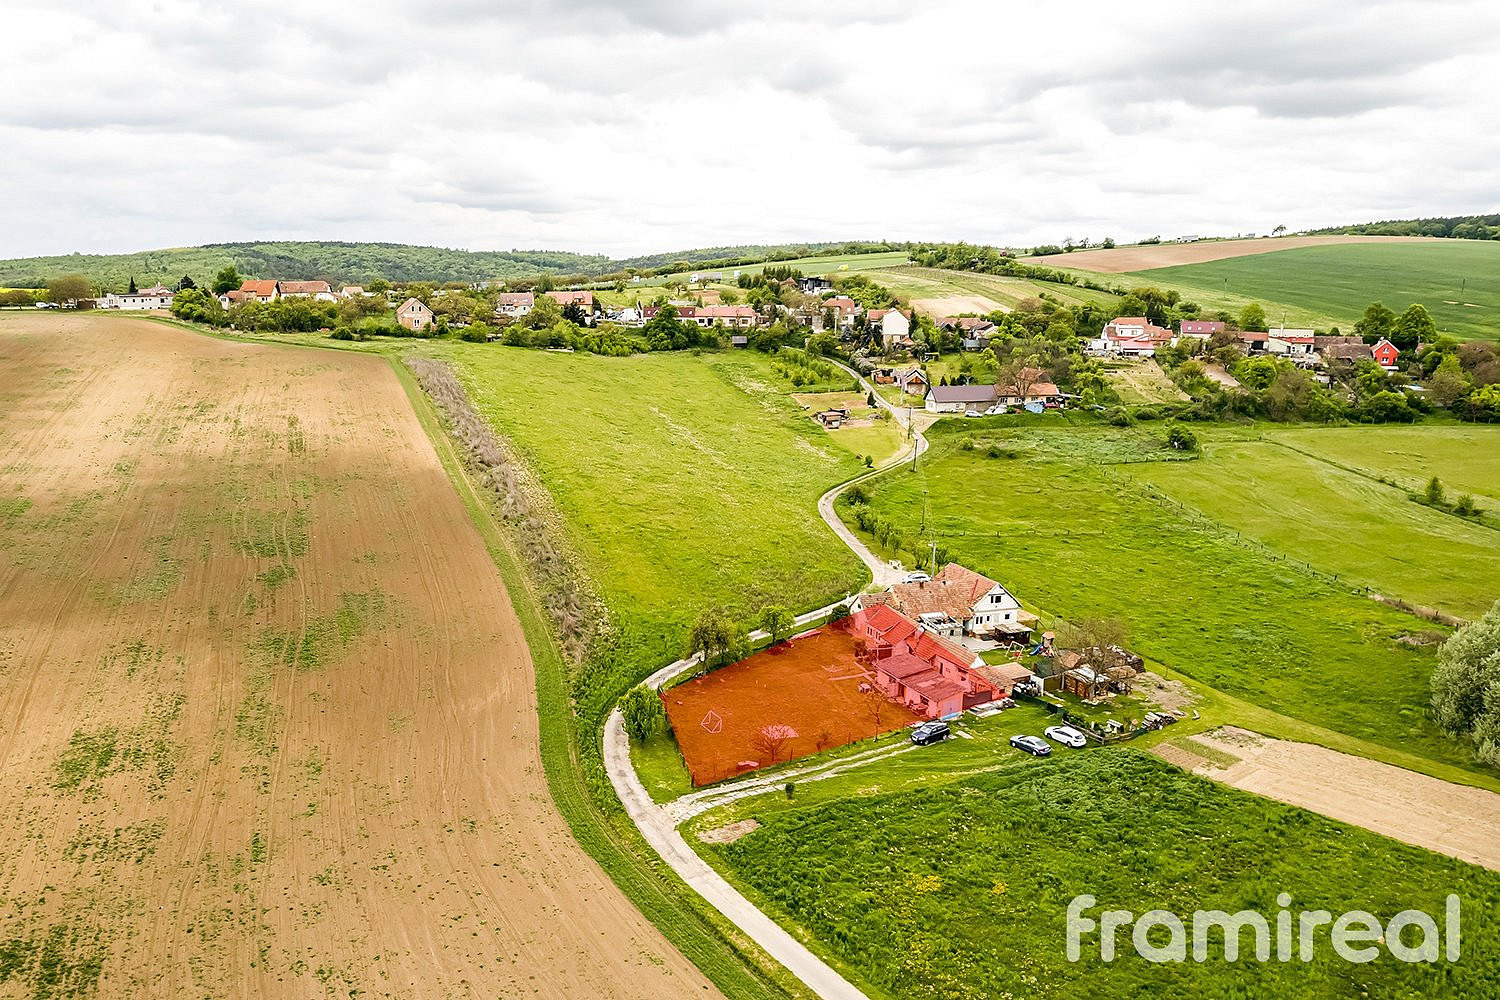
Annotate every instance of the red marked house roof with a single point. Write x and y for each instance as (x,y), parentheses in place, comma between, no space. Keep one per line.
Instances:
(929,647)
(264,289)
(903,666)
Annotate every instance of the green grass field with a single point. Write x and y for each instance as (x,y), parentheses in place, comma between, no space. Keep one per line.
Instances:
(961,890)
(1345,522)
(1457,280)
(1142,381)
(1067,528)
(685,482)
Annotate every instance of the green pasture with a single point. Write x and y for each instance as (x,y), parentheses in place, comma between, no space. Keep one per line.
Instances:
(685,482)
(1348,522)
(962,890)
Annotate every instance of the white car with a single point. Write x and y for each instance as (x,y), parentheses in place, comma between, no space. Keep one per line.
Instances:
(995,410)
(1066,735)
(973,413)
(917,577)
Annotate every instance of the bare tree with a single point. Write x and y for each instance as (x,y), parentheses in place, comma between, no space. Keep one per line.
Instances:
(772,739)
(875,703)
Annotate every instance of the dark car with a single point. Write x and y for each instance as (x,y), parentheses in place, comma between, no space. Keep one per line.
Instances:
(930,732)
(1034,745)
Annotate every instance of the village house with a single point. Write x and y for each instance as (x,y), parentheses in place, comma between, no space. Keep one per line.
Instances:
(1289,342)
(1131,337)
(316,290)
(894,326)
(1203,329)
(739,316)
(814,285)
(583,300)
(832,419)
(927,673)
(155,297)
(260,291)
(844,310)
(911,380)
(414,315)
(514,305)
(959,601)
(959,398)
(1032,390)
(1385,354)
(1254,341)
(1338,350)
(353,292)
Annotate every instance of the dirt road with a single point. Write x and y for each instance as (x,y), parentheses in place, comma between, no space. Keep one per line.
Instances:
(1455,820)
(1143,258)
(267,719)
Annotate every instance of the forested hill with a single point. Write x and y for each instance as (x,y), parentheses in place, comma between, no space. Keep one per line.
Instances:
(358,263)
(338,263)
(1459,227)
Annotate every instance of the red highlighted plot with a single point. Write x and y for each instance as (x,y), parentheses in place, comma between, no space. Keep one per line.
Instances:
(794,699)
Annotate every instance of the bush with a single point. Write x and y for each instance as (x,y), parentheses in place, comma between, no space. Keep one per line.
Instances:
(341,333)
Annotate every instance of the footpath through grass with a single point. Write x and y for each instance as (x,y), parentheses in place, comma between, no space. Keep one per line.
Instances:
(1071,534)
(962,890)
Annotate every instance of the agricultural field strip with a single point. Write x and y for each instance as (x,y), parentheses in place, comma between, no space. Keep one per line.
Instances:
(272,777)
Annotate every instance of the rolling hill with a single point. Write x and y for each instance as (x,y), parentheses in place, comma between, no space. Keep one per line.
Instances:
(357,263)
(1324,286)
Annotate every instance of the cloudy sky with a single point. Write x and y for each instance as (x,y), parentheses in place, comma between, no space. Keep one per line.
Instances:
(649,125)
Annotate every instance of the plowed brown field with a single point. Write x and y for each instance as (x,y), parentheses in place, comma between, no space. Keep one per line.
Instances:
(1143,258)
(267,720)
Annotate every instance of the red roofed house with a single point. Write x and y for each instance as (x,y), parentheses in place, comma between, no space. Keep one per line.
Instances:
(414,315)
(1254,340)
(1032,389)
(583,300)
(1200,328)
(844,310)
(1134,336)
(743,316)
(918,668)
(317,290)
(1385,354)
(260,291)
(959,600)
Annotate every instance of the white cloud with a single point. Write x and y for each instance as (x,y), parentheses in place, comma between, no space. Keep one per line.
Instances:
(647,126)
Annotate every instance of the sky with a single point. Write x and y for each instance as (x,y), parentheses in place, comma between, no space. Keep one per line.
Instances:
(648,126)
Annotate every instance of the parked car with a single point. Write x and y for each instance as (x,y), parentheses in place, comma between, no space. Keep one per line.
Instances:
(1066,735)
(917,577)
(995,410)
(931,732)
(1034,745)
(973,413)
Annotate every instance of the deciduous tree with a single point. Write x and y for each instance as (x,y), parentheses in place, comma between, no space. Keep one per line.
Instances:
(776,621)
(1466,685)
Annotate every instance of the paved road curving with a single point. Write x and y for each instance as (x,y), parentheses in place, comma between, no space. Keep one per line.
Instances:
(658,824)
